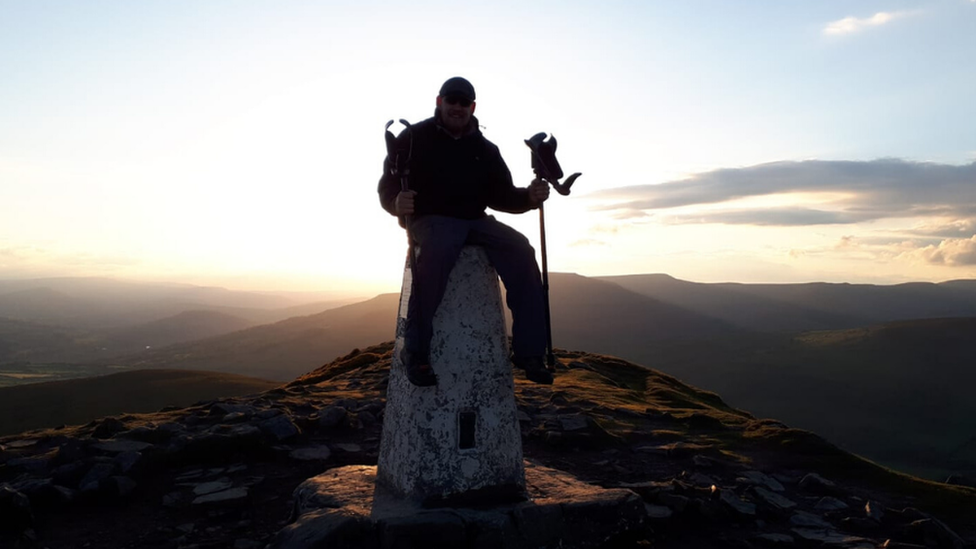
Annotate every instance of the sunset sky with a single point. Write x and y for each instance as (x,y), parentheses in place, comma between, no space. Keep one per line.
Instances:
(239,143)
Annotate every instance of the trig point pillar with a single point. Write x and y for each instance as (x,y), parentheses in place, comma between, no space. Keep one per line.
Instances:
(459,440)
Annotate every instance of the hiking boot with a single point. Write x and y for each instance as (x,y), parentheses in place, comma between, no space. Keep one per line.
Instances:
(535,369)
(418,369)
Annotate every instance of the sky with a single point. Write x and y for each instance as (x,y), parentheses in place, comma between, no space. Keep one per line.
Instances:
(239,143)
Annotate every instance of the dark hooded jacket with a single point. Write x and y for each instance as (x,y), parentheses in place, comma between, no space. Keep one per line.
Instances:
(453,177)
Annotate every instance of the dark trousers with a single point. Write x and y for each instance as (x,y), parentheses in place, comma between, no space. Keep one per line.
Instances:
(439,240)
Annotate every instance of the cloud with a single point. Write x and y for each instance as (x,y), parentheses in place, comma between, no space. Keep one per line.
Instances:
(951,252)
(856,191)
(851,25)
(778,217)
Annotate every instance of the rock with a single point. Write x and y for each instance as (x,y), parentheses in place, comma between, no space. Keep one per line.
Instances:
(859,525)
(761,479)
(69,451)
(702,480)
(224,408)
(936,530)
(233,497)
(119,446)
(347,403)
(234,417)
(108,427)
(828,503)
(348,447)
(523,417)
(21,443)
(575,422)
(366,418)
(344,508)
(15,511)
(247,544)
(174,500)
(279,428)
(891,544)
(69,474)
(737,504)
(660,450)
(99,472)
(873,511)
(119,486)
(127,460)
(42,492)
(706,462)
(830,538)
(218,485)
(658,512)
(312,453)
(815,483)
(331,417)
(775,500)
(809,520)
(773,539)
(334,528)
(268,414)
(674,501)
(37,464)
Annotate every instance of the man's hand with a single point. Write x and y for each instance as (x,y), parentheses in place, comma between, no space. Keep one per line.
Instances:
(538,192)
(404,202)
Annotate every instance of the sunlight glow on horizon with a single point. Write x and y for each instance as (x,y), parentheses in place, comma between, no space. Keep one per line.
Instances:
(241,144)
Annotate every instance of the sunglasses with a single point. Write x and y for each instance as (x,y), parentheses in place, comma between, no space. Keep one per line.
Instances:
(459,101)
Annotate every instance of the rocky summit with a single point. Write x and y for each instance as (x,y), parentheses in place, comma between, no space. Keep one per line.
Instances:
(672,467)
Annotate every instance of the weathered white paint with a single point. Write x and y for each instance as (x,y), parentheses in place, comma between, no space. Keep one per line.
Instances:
(419,452)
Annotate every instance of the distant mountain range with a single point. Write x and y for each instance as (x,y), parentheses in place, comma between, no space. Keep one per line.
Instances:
(805,307)
(75,320)
(881,370)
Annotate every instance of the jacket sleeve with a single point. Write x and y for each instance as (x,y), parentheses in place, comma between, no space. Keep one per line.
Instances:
(504,195)
(389,187)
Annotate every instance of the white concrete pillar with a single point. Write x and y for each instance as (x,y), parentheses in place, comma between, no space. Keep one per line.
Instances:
(461,438)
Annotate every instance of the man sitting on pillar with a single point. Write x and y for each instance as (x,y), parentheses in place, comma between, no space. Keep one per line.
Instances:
(454,175)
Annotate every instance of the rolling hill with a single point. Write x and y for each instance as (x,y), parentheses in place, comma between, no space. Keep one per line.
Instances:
(77,401)
(586,313)
(804,307)
(284,349)
(899,393)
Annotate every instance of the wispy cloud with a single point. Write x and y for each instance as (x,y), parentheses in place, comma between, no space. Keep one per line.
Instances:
(860,191)
(850,25)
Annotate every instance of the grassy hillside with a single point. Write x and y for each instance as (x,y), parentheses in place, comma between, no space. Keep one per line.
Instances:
(78,401)
(186,326)
(899,393)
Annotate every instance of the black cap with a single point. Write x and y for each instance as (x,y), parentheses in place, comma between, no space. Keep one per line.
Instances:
(458,87)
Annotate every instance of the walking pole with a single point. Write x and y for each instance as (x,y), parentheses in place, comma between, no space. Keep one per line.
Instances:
(550,356)
(400,154)
(547,169)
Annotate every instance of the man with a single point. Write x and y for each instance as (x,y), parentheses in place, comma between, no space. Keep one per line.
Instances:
(455,174)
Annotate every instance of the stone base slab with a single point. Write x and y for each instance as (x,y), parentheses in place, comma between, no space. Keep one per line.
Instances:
(345,507)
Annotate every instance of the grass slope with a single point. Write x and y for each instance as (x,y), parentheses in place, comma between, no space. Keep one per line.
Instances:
(897,392)
(78,401)
(631,404)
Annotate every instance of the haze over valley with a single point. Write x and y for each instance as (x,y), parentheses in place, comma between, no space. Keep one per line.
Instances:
(881,370)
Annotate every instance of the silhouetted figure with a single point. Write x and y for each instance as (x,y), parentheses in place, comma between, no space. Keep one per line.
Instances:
(455,174)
